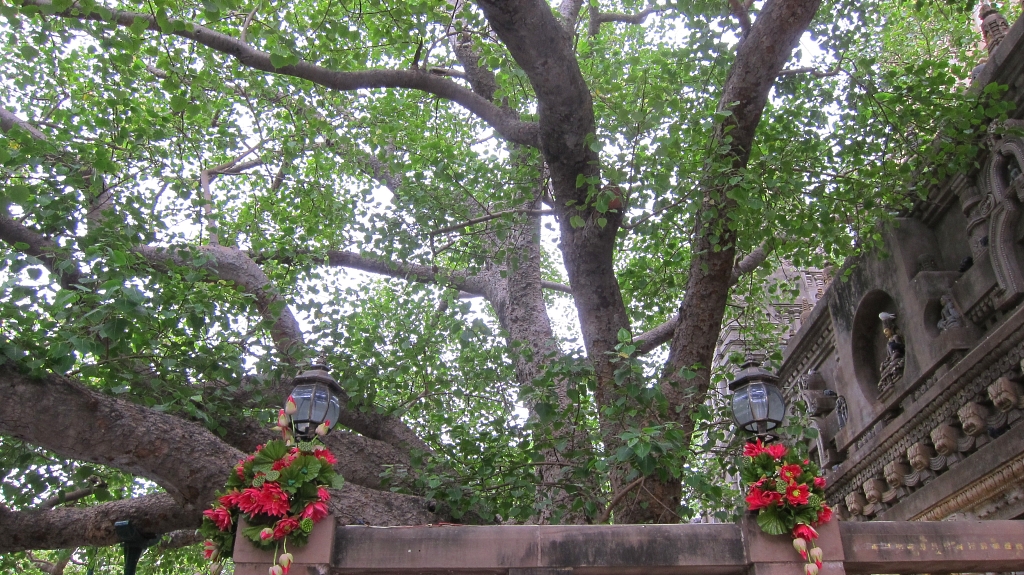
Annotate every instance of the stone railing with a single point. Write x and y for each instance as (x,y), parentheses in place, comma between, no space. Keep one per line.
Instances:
(720,549)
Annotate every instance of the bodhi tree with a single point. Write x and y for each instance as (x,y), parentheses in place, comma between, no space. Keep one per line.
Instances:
(188,187)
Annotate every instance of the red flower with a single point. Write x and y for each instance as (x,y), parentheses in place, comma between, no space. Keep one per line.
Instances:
(315,511)
(789,473)
(283,462)
(248,500)
(230,499)
(819,482)
(323,494)
(753,449)
(285,526)
(324,455)
(776,451)
(758,498)
(797,494)
(272,500)
(824,515)
(221,517)
(805,531)
(240,470)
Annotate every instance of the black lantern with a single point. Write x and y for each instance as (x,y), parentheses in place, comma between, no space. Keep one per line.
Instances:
(317,399)
(757,403)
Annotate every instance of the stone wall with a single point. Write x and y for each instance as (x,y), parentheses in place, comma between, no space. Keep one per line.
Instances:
(912,366)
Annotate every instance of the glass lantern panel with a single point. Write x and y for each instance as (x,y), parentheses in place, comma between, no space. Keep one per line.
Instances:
(302,395)
(741,408)
(321,401)
(333,410)
(758,395)
(776,407)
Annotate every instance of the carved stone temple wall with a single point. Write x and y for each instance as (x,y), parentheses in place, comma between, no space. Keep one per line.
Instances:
(912,368)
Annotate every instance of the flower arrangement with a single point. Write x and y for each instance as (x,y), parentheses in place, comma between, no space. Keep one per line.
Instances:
(788,494)
(281,492)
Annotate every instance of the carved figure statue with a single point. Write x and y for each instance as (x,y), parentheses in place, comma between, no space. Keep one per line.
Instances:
(855,503)
(945,437)
(812,380)
(873,489)
(842,412)
(920,455)
(895,349)
(895,472)
(926,263)
(972,417)
(1005,394)
(993,26)
(951,317)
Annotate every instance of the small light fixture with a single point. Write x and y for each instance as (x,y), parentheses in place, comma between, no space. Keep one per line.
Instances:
(317,399)
(757,402)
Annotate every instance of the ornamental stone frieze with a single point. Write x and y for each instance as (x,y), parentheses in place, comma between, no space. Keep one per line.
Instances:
(911,366)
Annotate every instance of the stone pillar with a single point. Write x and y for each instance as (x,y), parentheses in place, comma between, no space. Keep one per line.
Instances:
(774,554)
(313,557)
(976,210)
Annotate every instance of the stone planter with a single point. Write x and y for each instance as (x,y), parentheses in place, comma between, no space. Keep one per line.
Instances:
(313,557)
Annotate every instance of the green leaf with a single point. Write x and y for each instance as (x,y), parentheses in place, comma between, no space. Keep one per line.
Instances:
(770,521)
(283,59)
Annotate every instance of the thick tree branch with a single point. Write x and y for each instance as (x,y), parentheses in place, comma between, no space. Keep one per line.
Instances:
(480,79)
(570,12)
(361,460)
(650,340)
(597,17)
(406,271)
(8,121)
(741,12)
(234,266)
(759,59)
(488,217)
(183,458)
(509,127)
(66,527)
(462,281)
(75,495)
(834,71)
(42,248)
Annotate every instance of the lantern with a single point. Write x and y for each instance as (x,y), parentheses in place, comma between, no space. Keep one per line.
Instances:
(317,399)
(757,403)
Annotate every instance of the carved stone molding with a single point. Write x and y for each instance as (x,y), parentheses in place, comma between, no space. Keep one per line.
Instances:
(1006,477)
(1000,179)
(958,387)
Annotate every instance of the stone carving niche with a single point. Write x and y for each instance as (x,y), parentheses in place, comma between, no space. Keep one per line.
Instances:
(878,357)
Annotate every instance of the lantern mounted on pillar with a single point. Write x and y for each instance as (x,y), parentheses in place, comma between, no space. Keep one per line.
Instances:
(315,402)
(757,402)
